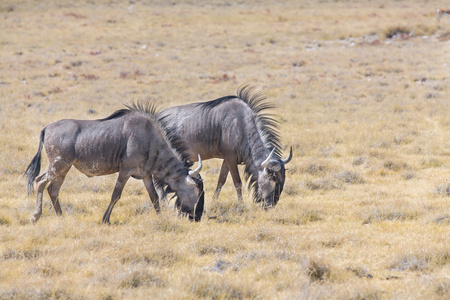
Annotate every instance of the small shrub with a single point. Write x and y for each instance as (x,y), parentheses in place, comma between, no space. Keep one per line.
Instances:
(141,279)
(5,221)
(395,31)
(443,289)
(334,242)
(396,165)
(318,270)
(316,168)
(358,161)
(159,258)
(432,163)
(422,29)
(411,262)
(368,295)
(298,218)
(211,248)
(45,269)
(349,177)
(56,90)
(379,216)
(221,266)
(359,272)
(336,181)
(229,211)
(26,254)
(90,76)
(263,234)
(422,261)
(444,219)
(167,224)
(291,188)
(223,289)
(322,184)
(443,189)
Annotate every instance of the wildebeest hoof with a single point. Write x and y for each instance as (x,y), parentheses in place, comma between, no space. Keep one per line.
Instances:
(35,218)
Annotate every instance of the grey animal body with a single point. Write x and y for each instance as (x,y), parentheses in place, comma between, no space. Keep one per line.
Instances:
(238,130)
(131,142)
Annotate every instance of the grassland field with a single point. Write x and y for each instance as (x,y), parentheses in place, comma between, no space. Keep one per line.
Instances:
(362,94)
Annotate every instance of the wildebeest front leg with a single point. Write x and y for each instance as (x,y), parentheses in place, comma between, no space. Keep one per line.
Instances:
(53,191)
(120,184)
(222,178)
(148,182)
(233,167)
(161,195)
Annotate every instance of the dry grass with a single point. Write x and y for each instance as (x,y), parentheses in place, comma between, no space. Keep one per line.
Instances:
(362,90)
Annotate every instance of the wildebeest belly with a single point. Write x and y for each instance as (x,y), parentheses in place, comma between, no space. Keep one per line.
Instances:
(95,167)
(205,154)
(98,159)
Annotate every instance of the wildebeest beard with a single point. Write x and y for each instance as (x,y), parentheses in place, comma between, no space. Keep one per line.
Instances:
(271,200)
(200,203)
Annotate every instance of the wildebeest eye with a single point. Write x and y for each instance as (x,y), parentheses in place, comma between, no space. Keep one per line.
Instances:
(271,174)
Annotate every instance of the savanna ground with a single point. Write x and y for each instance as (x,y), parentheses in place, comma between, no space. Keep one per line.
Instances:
(362,94)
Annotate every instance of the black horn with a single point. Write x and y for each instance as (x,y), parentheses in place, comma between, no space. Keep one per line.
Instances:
(288,159)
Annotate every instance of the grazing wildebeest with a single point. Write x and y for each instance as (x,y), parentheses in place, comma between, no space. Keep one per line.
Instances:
(130,141)
(237,130)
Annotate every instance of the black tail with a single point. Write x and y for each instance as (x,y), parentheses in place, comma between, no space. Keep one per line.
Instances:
(34,167)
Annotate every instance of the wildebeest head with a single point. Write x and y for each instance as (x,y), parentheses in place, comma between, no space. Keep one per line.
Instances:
(190,196)
(271,178)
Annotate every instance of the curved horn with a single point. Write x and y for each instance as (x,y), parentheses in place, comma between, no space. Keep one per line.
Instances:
(195,172)
(265,163)
(288,159)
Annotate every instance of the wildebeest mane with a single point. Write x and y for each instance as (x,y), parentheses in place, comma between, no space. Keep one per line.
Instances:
(267,124)
(257,101)
(147,107)
(116,114)
(214,103)
(175,142)
(150,108)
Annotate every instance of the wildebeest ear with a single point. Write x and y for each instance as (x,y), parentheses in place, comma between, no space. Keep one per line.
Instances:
(190,181)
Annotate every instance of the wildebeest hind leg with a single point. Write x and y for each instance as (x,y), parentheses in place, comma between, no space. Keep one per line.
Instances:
(41,182)
(53,191)
(222,178)
(148,182)
(120,184)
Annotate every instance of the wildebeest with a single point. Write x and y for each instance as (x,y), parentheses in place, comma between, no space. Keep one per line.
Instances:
(132,142)
(442,12)
(238,130)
